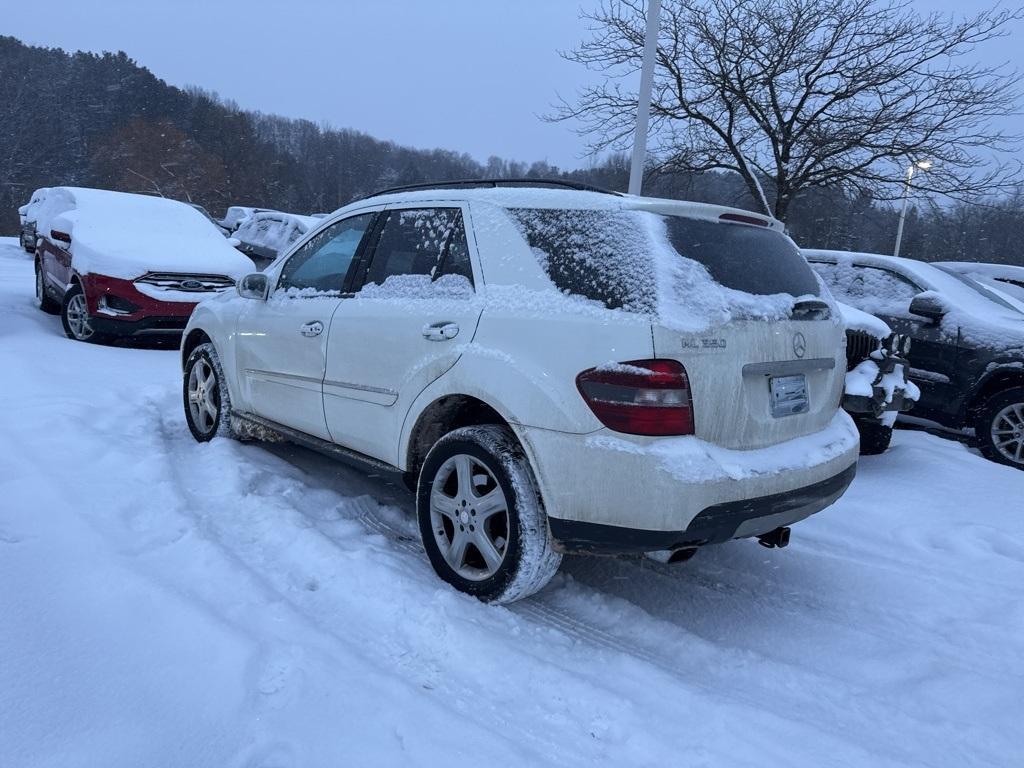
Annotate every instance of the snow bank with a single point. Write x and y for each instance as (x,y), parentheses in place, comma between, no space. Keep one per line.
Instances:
(124,235)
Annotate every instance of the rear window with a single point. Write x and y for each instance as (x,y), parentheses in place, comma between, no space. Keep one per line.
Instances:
(610,256)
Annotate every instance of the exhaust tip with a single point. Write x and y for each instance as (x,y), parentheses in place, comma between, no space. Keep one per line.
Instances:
(776,539)
(672,556)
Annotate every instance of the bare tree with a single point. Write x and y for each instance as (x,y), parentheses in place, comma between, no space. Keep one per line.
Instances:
(806,93)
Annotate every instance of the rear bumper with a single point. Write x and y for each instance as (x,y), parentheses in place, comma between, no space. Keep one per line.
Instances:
(713,525)
(607,493)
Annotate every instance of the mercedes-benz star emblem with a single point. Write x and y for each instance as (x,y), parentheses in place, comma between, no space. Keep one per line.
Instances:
(799,345)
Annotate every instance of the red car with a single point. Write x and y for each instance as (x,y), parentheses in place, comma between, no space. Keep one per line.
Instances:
(116,264)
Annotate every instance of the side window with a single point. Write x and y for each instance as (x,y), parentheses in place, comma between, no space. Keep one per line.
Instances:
(322,263)
(869,288)
(428,242)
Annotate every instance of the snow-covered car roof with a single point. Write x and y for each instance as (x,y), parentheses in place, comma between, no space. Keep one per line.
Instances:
(127,235)
(569,199)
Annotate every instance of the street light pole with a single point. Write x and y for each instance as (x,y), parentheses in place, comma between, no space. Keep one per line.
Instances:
(924,165)
(643,108)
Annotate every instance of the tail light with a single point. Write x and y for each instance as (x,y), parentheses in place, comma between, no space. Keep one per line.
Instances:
(641,397)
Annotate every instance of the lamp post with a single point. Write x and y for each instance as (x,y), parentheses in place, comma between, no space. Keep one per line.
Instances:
(924,165)
(643,107)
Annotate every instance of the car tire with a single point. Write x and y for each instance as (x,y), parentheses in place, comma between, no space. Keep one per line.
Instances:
(481,518)
(874,437)
(43,300)
(74,316)
(29,246)
(1000,427)
(205,395)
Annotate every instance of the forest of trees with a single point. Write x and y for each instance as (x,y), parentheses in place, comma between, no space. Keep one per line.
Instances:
(101,120)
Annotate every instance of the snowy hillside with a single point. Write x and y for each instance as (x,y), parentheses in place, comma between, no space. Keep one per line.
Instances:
(166,603)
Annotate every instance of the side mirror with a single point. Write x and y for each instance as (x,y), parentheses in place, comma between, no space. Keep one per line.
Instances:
(234,242)
(255,285)
(62,237)
(927,306)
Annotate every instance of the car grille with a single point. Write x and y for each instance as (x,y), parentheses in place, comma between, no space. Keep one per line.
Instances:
(169,281)
(859,344)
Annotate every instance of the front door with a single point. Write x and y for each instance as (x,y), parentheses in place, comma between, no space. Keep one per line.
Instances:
(415,311)
(282,342)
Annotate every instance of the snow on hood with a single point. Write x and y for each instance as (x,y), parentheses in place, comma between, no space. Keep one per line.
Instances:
(856,320)
(125,235)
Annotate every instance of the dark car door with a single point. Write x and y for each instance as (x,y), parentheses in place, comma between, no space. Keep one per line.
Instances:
(935,346)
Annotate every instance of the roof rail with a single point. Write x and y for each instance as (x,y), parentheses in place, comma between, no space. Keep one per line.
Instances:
(491,183)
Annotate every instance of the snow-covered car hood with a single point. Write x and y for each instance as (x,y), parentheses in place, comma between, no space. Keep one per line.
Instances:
(125,235)
(856,320)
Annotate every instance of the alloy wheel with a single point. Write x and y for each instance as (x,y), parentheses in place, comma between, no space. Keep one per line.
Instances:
(469,516)
(203,396)
(1008,432)
(78,317)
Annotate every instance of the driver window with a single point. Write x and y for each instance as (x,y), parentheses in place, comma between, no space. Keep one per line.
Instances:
(870,289)
(322,263)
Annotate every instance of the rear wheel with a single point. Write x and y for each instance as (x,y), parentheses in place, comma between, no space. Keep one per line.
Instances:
(43,299)
(205,393)
(874,437)
(481,519)
(1000,428)
(74,315)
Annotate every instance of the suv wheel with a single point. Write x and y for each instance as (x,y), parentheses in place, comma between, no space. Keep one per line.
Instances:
(874,437)
(1000,427)
(74,315)
(205,395)
(481,518)
(43,299)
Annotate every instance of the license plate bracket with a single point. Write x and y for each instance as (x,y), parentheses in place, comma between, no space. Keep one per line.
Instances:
(788,395)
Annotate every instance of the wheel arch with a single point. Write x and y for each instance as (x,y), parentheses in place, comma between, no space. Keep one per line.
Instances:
(190,341)
(995,381)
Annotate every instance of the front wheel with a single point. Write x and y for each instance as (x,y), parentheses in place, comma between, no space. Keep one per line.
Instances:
(481,518)
(43,300)
(74,316)
(1000,428)
(205,394)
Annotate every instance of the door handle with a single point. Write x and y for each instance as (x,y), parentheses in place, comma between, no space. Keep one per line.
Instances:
(440,331)
(312,329)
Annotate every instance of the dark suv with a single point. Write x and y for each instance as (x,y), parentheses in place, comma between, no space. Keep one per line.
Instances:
(967,352)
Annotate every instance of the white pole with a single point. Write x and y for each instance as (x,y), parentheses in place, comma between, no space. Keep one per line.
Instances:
(903,211)
(643,107)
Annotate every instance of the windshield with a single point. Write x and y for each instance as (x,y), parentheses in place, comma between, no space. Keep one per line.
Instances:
(610,255)
(992,295)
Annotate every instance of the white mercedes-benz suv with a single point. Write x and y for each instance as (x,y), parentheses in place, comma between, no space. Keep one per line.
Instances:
(551,370)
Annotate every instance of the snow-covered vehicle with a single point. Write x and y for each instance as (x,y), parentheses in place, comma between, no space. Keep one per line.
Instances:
(27,215)
(116,264)
(550,370)
(1006,278)
(265,234)
(967,351)
(236,216)
(877,388)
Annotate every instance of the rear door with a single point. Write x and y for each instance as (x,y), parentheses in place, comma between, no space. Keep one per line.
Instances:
(282,342)
(405,327)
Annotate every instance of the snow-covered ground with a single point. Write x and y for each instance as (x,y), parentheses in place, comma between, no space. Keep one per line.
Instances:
(164,603)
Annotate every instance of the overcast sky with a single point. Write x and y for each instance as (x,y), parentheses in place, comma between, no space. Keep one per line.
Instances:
(467,75)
